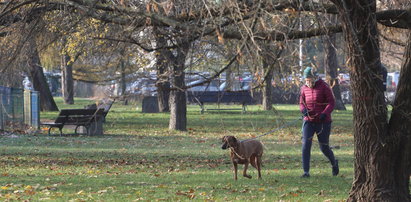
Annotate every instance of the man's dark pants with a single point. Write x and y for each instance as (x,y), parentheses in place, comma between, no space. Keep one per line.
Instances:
(323,135)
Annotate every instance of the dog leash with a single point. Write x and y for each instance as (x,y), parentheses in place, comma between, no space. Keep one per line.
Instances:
(274,130)
(238,155)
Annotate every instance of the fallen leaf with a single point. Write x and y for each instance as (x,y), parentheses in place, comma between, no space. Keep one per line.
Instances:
(180,193)
(102,191)
(161,186)
(29,192)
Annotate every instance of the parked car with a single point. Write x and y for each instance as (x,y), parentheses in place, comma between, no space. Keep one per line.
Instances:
(344,78)
(392,80)
(346,97)
(204,87)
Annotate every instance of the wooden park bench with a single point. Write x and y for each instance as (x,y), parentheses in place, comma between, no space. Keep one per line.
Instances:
(77,117)
(239,97)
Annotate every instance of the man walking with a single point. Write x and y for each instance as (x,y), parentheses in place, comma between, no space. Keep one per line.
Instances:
(316,103)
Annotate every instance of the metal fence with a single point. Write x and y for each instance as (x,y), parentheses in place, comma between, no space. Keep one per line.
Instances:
(19,109)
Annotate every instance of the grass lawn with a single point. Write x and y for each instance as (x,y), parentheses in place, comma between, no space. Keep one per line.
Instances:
(138,158)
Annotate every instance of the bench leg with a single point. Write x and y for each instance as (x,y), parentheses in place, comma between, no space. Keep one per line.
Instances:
(75,130)
(60,130)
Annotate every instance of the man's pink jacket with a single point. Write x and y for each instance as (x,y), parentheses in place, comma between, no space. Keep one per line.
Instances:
(318,100)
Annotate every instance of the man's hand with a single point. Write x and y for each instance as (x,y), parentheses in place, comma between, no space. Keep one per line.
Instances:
(323,117)
(305,112)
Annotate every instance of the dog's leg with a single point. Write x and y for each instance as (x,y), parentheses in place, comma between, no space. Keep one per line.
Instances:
(253,161)
(258,163)
(245,170)
(235,170)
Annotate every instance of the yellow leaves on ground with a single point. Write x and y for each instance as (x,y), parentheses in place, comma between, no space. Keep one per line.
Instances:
(21,191)
(295,193)
(161,186)
(190,194)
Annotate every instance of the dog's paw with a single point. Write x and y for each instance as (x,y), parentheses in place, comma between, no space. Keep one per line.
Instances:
(248,176)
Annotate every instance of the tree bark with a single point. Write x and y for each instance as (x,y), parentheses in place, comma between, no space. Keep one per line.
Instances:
(38,79)
(162,83)
(267,87)
(379,166)
(123,82)
(228,79)
(331,66)
(178,102)
(163,96)
(67,84)
(400,127)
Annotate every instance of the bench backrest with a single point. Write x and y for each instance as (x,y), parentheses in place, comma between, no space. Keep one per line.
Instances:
(78,116)
(105,105)
(243,97)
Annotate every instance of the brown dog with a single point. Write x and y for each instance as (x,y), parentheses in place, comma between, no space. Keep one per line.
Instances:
(249,151)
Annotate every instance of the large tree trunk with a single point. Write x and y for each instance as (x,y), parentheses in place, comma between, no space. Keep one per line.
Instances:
(67,84)
(38,79)
(178,102)
(400,127)
(331,66)
(379,166)
(163,84)
(267,88)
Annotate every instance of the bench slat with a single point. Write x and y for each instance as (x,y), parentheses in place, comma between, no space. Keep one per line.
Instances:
(77,112)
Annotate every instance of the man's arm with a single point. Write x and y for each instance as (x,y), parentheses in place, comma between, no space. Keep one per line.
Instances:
(330,100)
(303,108)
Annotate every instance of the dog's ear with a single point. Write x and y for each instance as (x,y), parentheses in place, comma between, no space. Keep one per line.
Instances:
(224,139)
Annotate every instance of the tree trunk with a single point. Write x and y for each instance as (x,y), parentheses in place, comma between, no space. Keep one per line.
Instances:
(178,106)
(163,84)
(228,80)
(67,84)
(400,127)
(163,96)
(379,166)
(123,78)
(123,82)
(178,102)
(38,79)
(267,88)
(331,66)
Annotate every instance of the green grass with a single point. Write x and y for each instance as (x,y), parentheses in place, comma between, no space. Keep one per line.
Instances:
(138,158)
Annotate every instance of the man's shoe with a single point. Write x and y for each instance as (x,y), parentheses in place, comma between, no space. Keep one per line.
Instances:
(336,169)
(305,175)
